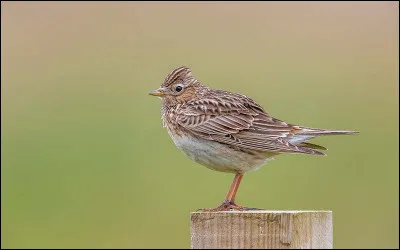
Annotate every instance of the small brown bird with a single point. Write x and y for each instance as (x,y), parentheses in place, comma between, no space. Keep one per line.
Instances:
(226,131)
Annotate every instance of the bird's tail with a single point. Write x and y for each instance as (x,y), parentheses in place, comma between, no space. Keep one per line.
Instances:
(305,134)
(321,132)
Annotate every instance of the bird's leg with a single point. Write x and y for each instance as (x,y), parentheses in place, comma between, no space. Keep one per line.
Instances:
(229,202)
(230,196)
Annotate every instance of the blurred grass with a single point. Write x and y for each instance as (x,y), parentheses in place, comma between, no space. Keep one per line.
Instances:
(86,162)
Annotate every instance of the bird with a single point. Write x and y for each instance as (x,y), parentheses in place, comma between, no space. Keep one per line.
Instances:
(228,132)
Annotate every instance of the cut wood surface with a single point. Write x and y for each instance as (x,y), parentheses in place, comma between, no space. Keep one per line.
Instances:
(261,229)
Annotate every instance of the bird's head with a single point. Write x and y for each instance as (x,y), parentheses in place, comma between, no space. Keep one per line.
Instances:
(179,86)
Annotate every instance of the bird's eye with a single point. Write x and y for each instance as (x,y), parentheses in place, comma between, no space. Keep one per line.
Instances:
(178,88)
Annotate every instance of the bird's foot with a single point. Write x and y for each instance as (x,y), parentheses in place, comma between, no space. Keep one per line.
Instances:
(227,206)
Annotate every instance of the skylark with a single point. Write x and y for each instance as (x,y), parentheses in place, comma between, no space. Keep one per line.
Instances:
(226,131)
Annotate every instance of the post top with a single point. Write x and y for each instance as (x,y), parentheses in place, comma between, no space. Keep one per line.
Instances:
(265,212)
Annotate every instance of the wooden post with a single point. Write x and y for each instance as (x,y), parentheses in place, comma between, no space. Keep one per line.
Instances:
(261,229)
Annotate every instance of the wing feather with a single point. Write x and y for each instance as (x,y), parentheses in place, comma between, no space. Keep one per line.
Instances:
(240,122)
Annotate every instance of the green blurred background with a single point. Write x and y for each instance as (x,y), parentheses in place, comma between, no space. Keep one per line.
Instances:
(85,160)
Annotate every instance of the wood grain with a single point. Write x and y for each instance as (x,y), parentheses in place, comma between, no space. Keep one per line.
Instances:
(262,229)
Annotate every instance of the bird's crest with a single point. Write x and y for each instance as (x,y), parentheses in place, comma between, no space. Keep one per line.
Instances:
(180,73)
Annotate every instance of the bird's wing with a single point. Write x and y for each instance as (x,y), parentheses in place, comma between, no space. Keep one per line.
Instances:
(240,122)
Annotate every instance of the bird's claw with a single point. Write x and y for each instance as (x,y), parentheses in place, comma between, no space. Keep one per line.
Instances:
(227,206)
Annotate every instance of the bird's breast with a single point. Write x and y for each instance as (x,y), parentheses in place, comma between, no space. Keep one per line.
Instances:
(218,156)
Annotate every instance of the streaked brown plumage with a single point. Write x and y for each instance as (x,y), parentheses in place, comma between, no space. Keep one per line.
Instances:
(226,131)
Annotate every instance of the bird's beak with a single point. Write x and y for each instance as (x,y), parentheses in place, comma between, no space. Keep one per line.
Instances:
(158,92)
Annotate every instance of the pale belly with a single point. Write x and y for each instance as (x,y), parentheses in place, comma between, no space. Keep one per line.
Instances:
(220,157)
